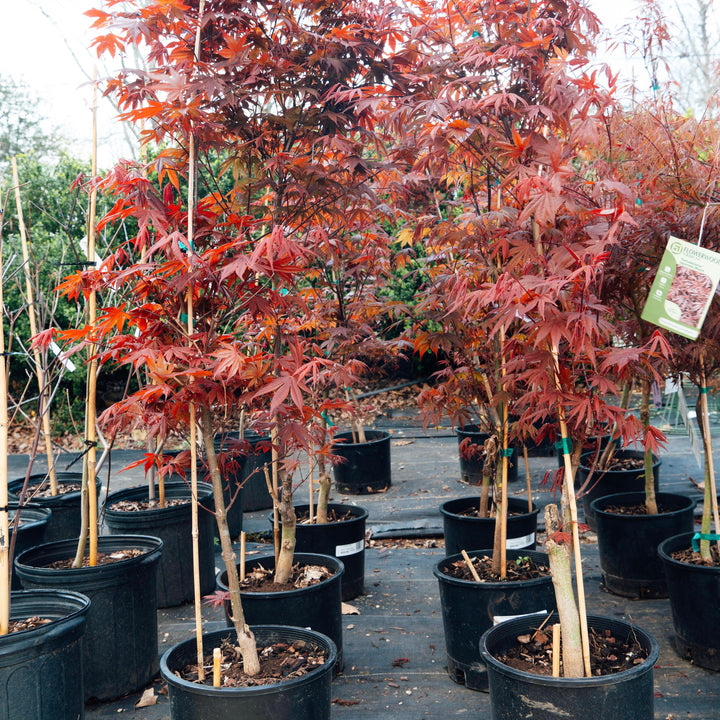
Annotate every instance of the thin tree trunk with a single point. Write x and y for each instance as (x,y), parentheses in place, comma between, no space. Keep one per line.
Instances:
(284,562)
(245,637)
(324,483)
(569,488)
(559,556)
(650,501)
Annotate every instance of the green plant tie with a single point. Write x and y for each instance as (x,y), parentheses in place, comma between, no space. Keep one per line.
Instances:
(697,537)
(506,452)
(325,417)
(704,390)
(565,445)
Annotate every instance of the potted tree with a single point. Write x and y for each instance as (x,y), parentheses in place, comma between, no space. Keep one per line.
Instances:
(555,221)
(40,631)
(117,574)
(651,133)
(218,317)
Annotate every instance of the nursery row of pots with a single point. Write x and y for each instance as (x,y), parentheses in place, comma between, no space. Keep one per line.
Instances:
(472,641)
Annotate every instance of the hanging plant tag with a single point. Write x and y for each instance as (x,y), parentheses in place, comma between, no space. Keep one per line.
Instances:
(683,288)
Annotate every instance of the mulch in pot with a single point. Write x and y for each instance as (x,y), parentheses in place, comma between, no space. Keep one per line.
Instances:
(333,515)
(262,580)
(43,490)
(635,509)
(524,568)
(691,557)
(608,654)
(102,559)
(278,662)
(31,623)
(140,505)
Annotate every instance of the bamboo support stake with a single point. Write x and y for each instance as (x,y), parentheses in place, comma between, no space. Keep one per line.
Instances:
(242,555)
(217,655)
(556,650)
(4,516)
(311,487)
(527,478)
(91,402)
(572,502)
(471,567)
(707,438)
(192,419)
(43,394)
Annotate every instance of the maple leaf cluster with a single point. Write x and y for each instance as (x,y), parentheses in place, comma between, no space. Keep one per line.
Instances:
(469,144)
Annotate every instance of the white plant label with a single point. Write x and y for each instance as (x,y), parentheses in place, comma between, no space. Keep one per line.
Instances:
(349,549)
(683,288)
(68,364)
(502,618)
(518,543)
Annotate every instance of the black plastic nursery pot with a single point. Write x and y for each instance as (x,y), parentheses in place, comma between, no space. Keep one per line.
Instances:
(464,532)
(304,698)
(592,447)
(628,544)
(611,482)
(259,456)
(470,455)
(365,467)
(39,669)
(232,470)
(469,608)
(343,539)
(517,694)
(318,606)
(65,520)
(120,646)
(694,592)
(471,458)
(172,525)
(30,531)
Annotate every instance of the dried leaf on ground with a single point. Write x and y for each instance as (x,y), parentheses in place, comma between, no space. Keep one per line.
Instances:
(147,699)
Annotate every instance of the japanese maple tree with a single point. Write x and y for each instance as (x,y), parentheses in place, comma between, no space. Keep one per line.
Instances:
(507,112)
(275,109)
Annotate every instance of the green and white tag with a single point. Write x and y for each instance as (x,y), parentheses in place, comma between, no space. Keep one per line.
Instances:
(683,288)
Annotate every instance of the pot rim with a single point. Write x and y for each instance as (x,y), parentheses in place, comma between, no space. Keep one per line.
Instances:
(632,498)
(383,435)
(80,601)
(530,678)
(258,630)
(688,567)
(152,544)
(207,491)
(307,558)
(490,584)
(476,498)
(626,452)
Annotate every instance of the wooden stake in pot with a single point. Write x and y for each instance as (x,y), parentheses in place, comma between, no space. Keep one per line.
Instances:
(710,497)
(43,389)
(569,487)
(471,567)
(4,517)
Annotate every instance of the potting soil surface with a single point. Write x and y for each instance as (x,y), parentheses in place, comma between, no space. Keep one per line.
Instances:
(393,637)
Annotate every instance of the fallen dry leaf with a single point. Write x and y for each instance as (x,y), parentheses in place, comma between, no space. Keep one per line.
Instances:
(148,698)
(340,701)
(348,609)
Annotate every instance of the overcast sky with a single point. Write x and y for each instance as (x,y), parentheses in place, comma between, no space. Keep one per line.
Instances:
(46,43)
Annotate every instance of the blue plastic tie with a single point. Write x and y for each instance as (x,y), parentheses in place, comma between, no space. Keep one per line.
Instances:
(702,536)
